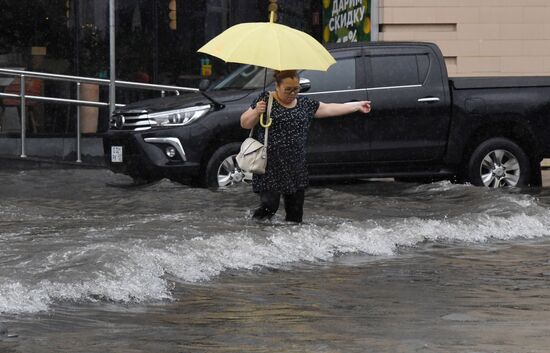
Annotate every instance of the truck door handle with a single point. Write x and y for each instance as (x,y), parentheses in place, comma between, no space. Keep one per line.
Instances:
(428,99)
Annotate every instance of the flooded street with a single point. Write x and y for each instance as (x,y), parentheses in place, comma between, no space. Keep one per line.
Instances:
(90,266)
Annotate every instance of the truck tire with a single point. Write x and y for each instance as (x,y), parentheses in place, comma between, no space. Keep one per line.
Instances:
(222,169)
(499,162)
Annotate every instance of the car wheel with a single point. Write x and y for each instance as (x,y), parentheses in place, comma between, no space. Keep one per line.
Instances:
(222,169)
(498,163)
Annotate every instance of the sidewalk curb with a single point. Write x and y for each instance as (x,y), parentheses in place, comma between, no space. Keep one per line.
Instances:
(15,162)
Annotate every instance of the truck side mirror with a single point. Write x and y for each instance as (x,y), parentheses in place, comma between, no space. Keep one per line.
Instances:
(305,84)
(204,84)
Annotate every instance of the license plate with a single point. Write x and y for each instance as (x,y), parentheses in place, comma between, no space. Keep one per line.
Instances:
(116,154)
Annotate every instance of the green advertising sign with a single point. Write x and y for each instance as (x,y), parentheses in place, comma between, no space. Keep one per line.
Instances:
(346,21)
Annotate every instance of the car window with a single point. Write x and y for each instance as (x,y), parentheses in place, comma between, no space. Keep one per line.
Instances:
(246,77)
(395,70)
(340,76)
(423,62)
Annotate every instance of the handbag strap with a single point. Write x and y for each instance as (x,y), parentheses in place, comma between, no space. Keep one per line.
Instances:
(269,105)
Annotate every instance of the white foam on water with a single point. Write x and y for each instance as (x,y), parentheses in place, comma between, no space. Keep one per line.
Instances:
(135,270)
(110,273)
(17,298)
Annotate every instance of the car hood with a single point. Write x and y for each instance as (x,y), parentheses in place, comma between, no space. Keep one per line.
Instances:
(187,100)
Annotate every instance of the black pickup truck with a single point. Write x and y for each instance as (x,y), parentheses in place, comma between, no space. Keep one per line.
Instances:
(491,131)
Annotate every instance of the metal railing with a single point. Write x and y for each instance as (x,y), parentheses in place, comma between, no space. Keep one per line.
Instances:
(22,96)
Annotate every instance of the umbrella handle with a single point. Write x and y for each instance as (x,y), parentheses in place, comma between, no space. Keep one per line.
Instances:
(265,125)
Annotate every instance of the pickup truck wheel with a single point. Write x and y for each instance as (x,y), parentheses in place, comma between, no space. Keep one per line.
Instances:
(222,169)
(498,163)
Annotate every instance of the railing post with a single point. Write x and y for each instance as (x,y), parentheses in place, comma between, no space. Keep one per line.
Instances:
(78,157)
(112,61)
(23,111)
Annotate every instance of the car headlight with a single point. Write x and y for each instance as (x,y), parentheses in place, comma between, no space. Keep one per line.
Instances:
(178,117)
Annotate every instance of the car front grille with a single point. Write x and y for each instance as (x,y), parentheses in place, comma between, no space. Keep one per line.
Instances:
(130,120)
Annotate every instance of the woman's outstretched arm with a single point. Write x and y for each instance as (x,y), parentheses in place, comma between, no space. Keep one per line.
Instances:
(334,109)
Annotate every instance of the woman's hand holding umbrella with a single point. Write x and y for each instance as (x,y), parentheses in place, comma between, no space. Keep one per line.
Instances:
(252,116)
(261,107)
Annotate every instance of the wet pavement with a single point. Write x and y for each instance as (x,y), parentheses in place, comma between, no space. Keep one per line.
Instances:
(378,266)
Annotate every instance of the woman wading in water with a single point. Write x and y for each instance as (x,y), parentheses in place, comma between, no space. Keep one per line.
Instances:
(286,172)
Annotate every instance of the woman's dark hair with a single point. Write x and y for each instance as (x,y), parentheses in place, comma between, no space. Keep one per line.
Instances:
(281,75)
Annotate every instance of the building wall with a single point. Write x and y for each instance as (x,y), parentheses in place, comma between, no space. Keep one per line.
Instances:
(477,37)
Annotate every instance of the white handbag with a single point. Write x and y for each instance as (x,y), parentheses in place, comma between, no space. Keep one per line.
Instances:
(252,157)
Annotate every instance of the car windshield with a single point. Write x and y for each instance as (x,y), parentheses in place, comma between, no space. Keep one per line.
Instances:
(246,77)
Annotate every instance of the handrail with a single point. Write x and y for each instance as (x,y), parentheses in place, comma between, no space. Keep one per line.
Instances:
(78,80)
(101,81)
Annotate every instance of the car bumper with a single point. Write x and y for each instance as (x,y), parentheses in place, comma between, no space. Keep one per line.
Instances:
(144,156)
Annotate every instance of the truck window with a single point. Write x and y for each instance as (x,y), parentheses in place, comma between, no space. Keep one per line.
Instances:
(340,76)
(423,61)
(245,77)
(394,70)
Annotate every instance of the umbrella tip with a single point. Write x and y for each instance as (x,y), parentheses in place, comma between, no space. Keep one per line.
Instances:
(271,16)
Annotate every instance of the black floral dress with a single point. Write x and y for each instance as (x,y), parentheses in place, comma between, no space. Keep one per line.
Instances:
(286,170)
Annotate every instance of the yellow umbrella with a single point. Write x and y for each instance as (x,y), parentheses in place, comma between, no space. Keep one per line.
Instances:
(270,45)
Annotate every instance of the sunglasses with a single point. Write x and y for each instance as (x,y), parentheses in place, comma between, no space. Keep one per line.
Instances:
(292,90)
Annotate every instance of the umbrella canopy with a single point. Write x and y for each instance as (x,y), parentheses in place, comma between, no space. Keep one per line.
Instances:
(270,45)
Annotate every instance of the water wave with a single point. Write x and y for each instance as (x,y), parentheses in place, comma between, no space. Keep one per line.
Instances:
(132,246)
(138,271)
